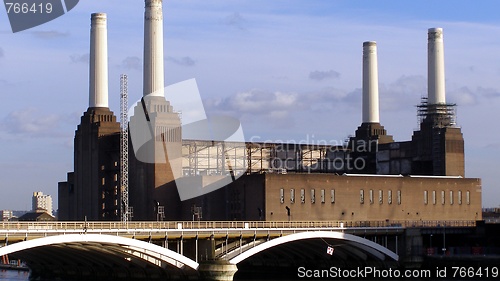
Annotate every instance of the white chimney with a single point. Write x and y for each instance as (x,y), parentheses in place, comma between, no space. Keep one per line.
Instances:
(435,67)
(370,83)
(153,49)
(98,88)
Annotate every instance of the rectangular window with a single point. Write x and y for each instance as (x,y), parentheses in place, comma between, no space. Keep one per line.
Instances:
(467,197)
(302,196)
(451,197)
(282,196)
(313,196)
(442,197)
(332,195)
(434,197)
(380,196)
(389,197)
(322,196)
(103,181)
(426,197)
(116,177)
(399,197)
(292,195)
(459,197)
(371,196)
(362,196)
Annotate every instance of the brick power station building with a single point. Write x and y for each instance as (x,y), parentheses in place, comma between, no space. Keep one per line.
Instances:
(369,178)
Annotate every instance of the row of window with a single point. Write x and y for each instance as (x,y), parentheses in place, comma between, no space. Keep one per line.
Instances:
(115,164)
(103,180)
(103,193)
(450,198)
(332,196)
(115,205)
(303,196)
(371,195)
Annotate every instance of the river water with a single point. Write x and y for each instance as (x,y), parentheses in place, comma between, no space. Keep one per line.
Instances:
(13,275)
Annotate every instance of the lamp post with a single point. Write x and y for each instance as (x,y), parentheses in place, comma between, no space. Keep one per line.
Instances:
(157,207)
(430,244)
(444,239)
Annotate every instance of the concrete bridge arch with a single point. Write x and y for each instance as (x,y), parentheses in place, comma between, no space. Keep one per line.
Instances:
(356,245)
(89,254)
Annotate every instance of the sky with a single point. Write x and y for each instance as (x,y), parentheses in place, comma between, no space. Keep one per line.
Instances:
(289,70)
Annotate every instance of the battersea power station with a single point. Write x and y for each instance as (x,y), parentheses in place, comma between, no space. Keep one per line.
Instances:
(142,168)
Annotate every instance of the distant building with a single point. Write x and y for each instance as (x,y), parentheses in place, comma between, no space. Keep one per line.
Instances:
(6,215)
(37,215)
(41,201)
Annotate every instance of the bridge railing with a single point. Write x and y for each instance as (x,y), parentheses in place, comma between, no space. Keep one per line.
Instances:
(172,225)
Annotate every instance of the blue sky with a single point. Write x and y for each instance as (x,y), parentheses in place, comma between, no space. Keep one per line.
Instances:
(289,70)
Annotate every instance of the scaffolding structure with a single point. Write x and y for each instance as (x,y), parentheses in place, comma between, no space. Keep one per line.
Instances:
(125,214)
(206,158)
(441,115)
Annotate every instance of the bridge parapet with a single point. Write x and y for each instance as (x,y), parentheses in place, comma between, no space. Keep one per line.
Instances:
(186,225)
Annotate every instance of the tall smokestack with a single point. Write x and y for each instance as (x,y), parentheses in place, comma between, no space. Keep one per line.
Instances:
(370,128)
(370,83)
(153,49)
(435,67)
(98,90)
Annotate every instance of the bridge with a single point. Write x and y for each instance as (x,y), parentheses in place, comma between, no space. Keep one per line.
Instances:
(212,250)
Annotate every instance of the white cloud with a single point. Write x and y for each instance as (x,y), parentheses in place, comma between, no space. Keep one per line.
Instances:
(30,122)
(235,20)
(403,93)
(133,63)
(52,34)
(76,58)
(462,96)
(257,103)
(184,61)
(488,92)
(323,75)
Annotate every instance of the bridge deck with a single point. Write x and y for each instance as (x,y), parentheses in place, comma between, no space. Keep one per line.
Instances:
(17,231)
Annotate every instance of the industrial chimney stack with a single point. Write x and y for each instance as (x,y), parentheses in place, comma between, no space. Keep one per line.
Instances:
(155,131)
(370,83)
(98,84)
(81,197)
(370,134)
(435,67)
(370,130)
(153,49)
(434,109)
(438,147)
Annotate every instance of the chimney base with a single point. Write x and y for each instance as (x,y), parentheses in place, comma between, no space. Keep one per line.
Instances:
(373,131)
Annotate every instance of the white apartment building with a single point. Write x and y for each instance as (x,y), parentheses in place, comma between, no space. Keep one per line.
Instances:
(41,201)
(6,215)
